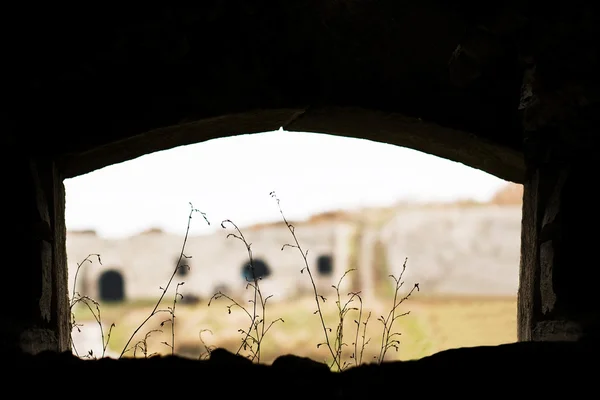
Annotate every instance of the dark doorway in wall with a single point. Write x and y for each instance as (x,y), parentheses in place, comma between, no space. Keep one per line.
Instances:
(261,270)
(111,286)
(325,265)
(183,267)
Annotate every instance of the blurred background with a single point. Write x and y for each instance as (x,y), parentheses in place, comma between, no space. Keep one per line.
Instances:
(371,220)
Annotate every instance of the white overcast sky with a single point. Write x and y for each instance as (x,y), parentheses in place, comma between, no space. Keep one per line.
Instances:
(231,178)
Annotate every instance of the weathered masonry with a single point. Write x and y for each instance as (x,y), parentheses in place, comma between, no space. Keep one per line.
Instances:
(511,88)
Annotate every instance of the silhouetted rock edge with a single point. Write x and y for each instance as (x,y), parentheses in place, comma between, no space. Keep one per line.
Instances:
(563,364)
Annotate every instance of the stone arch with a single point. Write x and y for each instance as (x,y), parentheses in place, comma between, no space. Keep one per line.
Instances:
(261,270)
(407,96)
(111,286)
(460,67)
(353,122)
(325,265)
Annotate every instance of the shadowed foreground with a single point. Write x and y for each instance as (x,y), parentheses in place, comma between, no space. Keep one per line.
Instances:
(565,366)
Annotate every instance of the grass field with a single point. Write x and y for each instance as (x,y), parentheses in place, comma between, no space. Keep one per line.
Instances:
(434,324)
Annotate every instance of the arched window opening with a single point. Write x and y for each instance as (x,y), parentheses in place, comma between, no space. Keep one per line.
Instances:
(325,265)
(111,286)
(183,266)
(261,270)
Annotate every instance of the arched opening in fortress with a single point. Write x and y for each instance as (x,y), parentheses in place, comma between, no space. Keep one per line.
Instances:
(369,245)
(325,265)
(183,266)
(111,286)
(258,269)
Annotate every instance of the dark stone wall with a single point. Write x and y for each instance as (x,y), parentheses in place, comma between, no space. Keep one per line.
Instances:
(561,111)
(466,372)
(34,294)
(511,86)
(97,77)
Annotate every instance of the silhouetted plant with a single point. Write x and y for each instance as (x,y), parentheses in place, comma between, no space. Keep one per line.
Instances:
(78,298)
(253,336)
(258,328)
(336,345)
(170,310)
(388,338)
(357,355)
(142,345)
(342,310)
(207,349)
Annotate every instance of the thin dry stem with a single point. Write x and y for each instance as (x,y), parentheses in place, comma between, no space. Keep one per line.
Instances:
(78,298)
(171,320)
(257,322)
(208,349)
(388,339)
(182,255)
(314,286)
(342,312)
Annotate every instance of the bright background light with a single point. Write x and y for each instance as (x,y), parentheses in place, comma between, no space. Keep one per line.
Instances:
(231,178)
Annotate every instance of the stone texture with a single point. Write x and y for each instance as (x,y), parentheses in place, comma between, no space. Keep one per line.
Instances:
(141,82)
(560,107)
(456,250)
(81,88)
(146,261)
(470,249)
(35,318)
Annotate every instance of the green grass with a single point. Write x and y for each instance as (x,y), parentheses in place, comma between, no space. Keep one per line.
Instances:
(434,324)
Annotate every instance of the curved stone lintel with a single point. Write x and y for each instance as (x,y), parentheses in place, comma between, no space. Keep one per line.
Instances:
(174,136)
(417,134)
(392,128)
